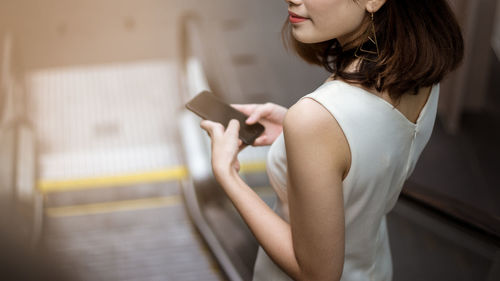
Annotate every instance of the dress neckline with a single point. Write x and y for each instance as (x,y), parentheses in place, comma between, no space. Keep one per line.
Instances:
(392,107)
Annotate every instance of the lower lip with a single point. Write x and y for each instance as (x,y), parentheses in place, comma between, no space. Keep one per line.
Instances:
(293,19)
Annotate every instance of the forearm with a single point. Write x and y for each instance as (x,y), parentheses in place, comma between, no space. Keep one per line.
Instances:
(271,231)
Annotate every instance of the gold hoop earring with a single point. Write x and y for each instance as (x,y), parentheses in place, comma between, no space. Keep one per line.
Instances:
(372,40)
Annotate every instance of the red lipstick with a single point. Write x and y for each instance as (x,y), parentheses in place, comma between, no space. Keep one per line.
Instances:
(294,18)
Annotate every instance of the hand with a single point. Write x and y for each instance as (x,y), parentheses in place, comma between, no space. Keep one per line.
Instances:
(270,115)
(225,146)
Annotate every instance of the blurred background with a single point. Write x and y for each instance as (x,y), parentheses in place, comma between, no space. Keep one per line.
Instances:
(105,176)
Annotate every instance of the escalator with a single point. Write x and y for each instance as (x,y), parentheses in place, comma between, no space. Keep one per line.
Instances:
(432,237)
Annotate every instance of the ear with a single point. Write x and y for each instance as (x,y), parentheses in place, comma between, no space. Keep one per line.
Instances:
(373,6)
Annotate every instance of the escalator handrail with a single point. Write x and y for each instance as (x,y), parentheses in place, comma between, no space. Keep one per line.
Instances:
(193,79)
(456,210)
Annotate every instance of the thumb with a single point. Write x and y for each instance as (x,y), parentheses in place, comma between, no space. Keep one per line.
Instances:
(234,127)
(212,128)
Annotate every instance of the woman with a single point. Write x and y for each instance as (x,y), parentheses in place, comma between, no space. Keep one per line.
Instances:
(340,155)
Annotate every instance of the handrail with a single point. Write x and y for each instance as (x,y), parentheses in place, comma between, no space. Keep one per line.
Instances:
(5,77)
(13,118)
(454,209)
(193,79)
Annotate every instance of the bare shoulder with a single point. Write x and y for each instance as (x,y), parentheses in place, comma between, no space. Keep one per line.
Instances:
(308,117)
(308,123)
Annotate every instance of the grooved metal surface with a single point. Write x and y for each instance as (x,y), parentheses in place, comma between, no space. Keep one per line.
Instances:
(104,120)
(156,243)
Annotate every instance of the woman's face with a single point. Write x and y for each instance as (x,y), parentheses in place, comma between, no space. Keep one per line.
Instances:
(316,21)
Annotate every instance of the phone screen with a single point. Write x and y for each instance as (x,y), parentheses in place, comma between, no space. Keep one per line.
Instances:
(208,106)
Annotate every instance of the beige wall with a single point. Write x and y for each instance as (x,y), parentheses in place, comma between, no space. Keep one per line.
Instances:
(63,32)
(68,32)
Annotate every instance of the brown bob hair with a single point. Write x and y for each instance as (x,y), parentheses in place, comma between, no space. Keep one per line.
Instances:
(419,42)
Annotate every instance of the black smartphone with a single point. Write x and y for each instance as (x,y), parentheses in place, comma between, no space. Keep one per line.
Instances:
(208,106)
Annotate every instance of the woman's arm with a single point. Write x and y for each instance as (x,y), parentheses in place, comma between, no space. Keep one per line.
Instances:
(311,247)
(318,157)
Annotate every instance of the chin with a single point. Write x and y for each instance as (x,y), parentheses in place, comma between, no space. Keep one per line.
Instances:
(305,38)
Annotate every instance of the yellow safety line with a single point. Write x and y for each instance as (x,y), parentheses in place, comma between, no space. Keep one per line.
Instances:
(116,206)
(176,173)
(252,167)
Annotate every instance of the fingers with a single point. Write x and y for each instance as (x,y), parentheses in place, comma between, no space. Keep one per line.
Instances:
(241,146)
(236,165)
(238,106)
(262,111)
(254,111)
(255,116)
(214,129)
(262,140)
(233,128)
(245,108)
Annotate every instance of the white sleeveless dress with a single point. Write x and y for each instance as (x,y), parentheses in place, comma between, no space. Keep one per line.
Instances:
(385,147)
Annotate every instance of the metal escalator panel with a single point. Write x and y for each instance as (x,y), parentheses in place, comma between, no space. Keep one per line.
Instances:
(7,132)
(104,119)
(136,231)
(109,172)
(7,162)
(426,245)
